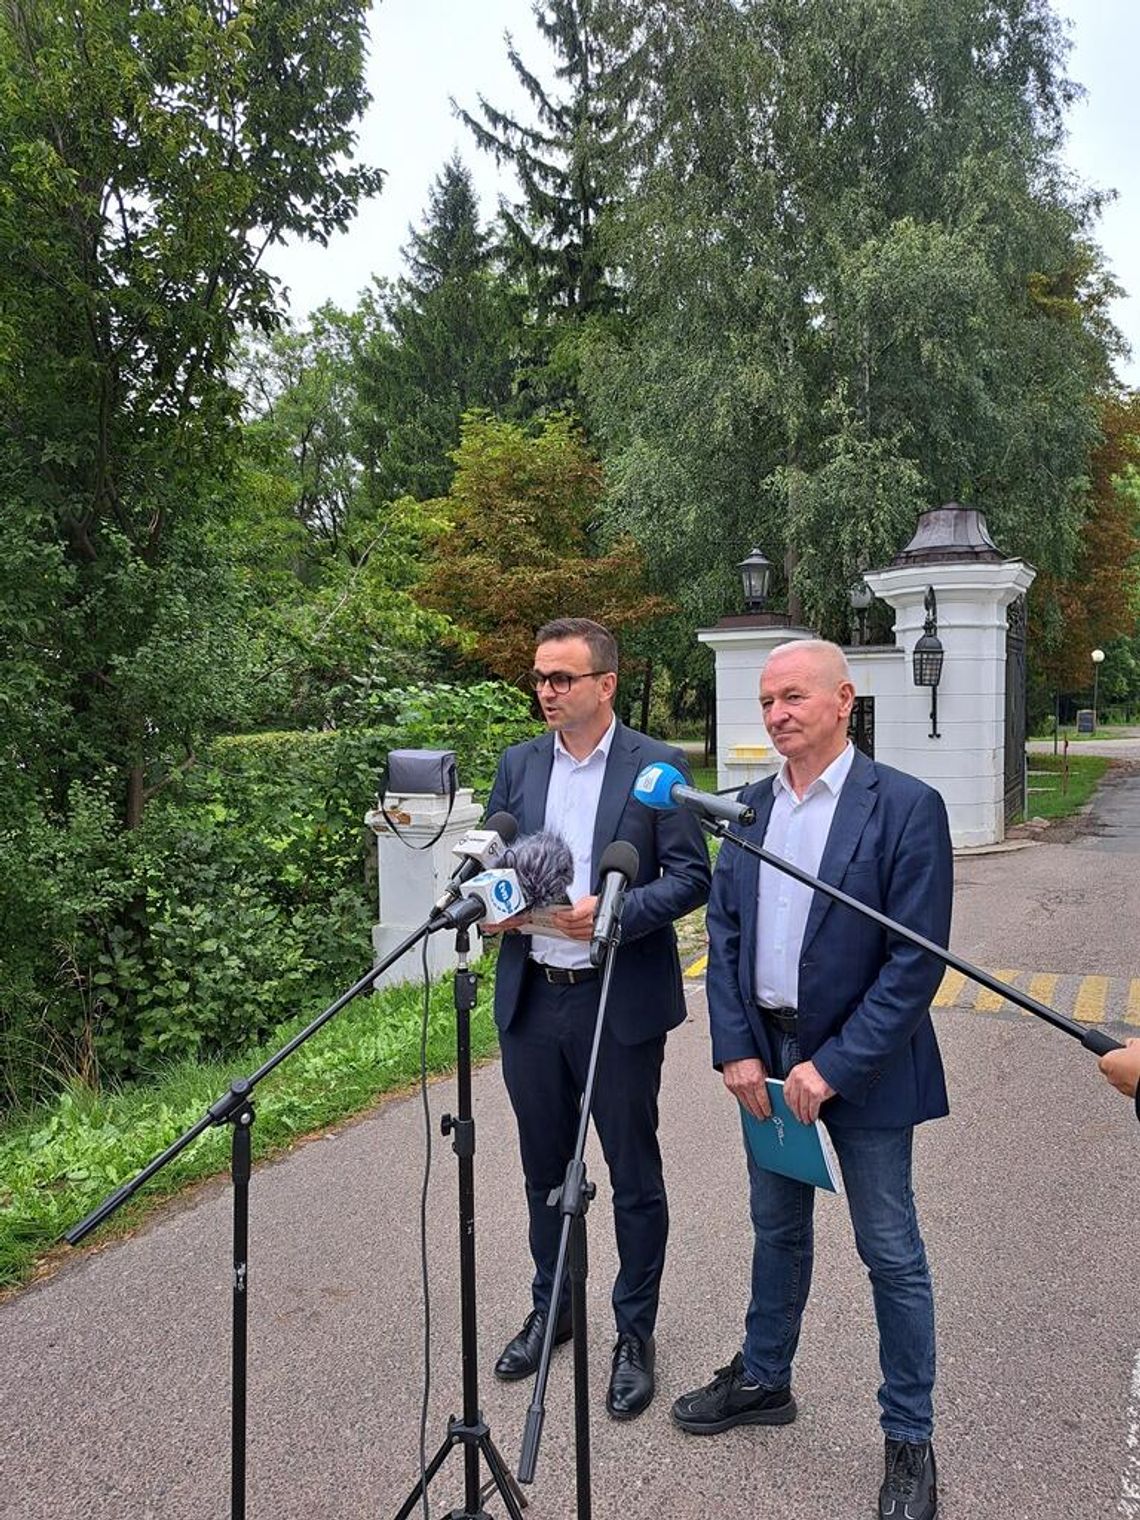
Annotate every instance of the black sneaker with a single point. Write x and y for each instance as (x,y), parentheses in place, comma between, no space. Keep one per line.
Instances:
(730,1399)
(910,1488)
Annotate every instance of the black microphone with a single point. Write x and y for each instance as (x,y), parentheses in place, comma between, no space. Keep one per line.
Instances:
(481,849)
(617,868)
(662,786)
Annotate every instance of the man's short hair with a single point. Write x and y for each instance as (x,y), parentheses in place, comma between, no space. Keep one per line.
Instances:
(831,653)
(600,641)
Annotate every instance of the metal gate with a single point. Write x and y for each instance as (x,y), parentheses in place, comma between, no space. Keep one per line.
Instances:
(1016,711)
(861,725)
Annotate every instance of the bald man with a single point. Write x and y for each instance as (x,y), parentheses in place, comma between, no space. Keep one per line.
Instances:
(803,989)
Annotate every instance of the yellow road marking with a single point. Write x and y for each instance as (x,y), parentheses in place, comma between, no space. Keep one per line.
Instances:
(990,1002)
(698,967)
(1132,1012)
(947,994)
(1043,986)
(1091,997)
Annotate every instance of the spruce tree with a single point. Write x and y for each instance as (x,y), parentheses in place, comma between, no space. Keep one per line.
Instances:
(445,346)
(551,234)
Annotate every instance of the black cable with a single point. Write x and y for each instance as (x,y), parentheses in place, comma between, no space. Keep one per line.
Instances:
(423,1234)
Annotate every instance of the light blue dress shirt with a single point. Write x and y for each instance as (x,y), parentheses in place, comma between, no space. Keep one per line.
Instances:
(572,799)
(797,831)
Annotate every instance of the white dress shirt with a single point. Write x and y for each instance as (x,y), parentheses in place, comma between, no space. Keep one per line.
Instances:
(797,831)
(571,810)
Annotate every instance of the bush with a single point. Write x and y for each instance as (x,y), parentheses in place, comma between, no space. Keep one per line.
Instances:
(246,892)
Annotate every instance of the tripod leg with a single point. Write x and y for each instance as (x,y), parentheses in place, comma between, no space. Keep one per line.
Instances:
(428,1474)
(503,1480)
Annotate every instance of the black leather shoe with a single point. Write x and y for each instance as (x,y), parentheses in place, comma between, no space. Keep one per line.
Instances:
(521,1356)
(631,1381)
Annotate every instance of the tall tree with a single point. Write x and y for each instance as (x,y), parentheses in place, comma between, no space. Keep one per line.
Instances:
(148,156)
(859,283)
(446,345)
(561,163)
(1100,601)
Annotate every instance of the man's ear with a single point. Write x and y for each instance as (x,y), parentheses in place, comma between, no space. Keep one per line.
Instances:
(846,698)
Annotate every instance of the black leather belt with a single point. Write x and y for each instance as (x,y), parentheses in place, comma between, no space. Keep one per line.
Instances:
(785,1020)
(565,976)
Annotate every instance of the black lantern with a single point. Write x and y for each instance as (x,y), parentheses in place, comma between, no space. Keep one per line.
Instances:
(755,572)
(928,656)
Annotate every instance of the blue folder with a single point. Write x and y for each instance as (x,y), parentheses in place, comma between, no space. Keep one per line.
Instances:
(782,1144)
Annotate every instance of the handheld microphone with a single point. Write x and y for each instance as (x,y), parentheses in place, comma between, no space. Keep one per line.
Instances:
(480,849)
(662,786)
(617,868)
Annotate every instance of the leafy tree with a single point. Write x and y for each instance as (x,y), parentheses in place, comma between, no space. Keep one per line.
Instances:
(147,158)
(859,283)
(520,545)
(1100,602)
(445,345)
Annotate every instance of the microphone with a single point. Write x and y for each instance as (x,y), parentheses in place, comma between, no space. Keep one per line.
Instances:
(480,849)
(535,873)
(662,786)
(544,864)
(617,868)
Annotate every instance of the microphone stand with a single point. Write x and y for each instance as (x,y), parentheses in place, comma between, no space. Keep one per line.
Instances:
(1092,1039)
(472,1431)
(235,1108)
(573,1200)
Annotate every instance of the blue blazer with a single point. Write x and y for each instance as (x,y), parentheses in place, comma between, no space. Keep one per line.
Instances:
(646,996)
(864,995)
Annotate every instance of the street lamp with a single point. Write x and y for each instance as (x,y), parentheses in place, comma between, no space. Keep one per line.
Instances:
(756,573)
(861,596)
(1098,661)
(928,655)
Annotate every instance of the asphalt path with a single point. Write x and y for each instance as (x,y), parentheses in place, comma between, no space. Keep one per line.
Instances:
(114,1378)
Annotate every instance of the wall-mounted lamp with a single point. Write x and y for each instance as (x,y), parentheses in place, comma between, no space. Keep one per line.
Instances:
(928,656)
(756,574)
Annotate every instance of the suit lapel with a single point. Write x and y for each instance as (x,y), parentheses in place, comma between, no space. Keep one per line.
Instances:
(855,805)
(536,780)
(617,784)
(749,867)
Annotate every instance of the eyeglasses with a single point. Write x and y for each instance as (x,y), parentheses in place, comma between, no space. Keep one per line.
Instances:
(559,681)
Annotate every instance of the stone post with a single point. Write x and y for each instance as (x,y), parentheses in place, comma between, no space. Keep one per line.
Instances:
(411,879)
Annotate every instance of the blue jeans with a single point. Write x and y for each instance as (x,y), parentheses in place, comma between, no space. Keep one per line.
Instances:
(876,1167)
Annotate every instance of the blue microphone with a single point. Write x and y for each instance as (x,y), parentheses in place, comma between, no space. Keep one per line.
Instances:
(662,786)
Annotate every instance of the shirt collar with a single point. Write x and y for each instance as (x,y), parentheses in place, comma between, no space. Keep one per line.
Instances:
(832,778)
(601,748)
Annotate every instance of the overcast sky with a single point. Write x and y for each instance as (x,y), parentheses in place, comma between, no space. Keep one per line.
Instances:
(425,51)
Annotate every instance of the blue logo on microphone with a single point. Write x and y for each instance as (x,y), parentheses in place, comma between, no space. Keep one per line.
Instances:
(504,893)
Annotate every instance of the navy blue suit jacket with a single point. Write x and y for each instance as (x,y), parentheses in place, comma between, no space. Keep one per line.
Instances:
(646,997)
(864,995)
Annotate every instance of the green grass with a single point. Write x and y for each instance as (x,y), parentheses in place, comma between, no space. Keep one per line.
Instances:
(1046,798)
(1104,730)
(58,1164)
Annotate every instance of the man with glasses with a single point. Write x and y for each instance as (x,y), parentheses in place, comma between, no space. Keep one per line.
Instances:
(576,781)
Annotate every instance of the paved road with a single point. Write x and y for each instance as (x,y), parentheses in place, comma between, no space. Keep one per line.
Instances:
(114,1379)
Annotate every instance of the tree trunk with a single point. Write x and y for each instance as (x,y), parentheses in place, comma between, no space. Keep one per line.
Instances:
(646,689)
